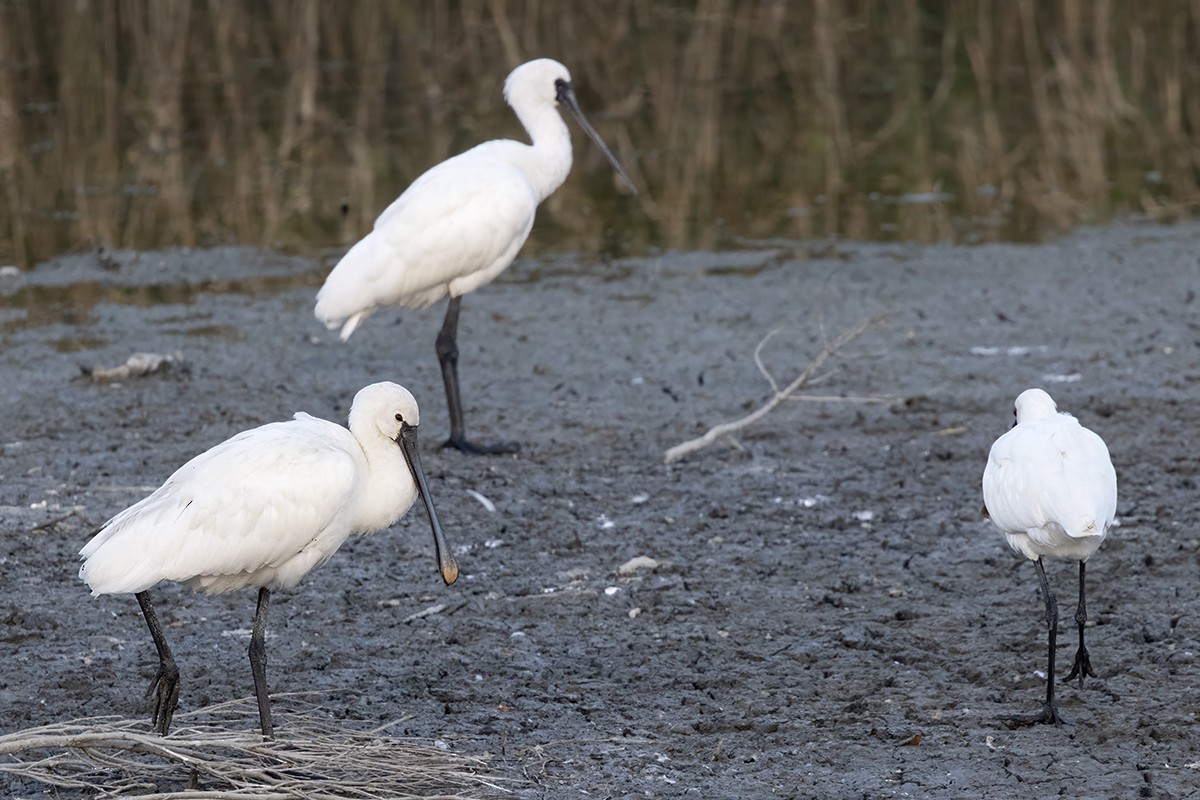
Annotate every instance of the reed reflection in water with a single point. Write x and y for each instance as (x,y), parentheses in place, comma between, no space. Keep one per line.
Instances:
(293,123)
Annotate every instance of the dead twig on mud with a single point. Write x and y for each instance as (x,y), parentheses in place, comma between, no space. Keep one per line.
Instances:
(805,378)
(222,757)
(50,523)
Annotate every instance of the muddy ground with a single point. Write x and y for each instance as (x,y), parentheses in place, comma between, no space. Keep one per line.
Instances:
(827,589)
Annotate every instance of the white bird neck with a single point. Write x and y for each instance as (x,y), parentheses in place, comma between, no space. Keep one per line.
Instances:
(548,161)
(388,489)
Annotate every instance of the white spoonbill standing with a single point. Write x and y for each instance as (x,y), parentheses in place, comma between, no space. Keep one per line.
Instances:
(1051,489)
(460,224)
(262,509)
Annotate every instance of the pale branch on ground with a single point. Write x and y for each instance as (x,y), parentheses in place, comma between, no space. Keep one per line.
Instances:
(805,378)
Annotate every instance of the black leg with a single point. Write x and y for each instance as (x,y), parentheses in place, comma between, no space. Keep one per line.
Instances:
(165,686)
(258,662)
(447,351)
(1049,712)
(1083,660)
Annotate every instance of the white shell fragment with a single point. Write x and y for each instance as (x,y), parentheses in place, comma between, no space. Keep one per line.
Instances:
(636,563)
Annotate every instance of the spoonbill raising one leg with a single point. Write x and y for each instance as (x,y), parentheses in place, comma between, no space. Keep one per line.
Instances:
(262,509)
(460,224)
(1051,489)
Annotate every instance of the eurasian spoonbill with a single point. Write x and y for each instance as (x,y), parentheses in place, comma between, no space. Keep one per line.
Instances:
(460,224)
(1051,489)
(262,509)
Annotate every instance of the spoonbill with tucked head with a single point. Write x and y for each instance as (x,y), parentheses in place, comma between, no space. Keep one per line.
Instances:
(1051,489)
(460,224)
(262,509)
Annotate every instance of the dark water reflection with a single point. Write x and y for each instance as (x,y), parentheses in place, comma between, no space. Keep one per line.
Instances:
(292,123)
(45,305)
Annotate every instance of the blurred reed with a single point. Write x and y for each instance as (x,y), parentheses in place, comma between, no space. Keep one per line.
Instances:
(293,123)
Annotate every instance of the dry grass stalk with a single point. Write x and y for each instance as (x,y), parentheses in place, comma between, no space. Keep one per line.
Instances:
(805,378)
(215,754)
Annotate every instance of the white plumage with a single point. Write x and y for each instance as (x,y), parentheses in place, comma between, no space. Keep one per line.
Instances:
(260,509)
(263,508)
(1049,484)
(454,229)
(1051,489)
(461,223)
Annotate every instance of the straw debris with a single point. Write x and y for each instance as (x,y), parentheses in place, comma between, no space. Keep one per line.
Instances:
(216,754)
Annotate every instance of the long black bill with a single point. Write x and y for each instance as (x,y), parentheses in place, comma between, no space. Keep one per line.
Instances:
(412,454)
(566,96)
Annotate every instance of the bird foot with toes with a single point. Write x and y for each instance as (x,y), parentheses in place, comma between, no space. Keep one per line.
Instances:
(1083,666)
(165,690)
(1048,716)
(477,449)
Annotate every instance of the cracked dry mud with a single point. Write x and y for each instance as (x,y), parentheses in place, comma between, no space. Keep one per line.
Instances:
(830,615)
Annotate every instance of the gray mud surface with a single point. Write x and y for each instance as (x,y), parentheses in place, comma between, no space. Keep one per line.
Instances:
(827,590)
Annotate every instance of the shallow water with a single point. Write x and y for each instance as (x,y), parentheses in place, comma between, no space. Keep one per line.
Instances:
(139,126)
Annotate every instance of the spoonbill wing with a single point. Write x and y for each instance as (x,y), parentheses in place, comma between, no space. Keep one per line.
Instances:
(251,503)
(455,228)
(1064,475)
